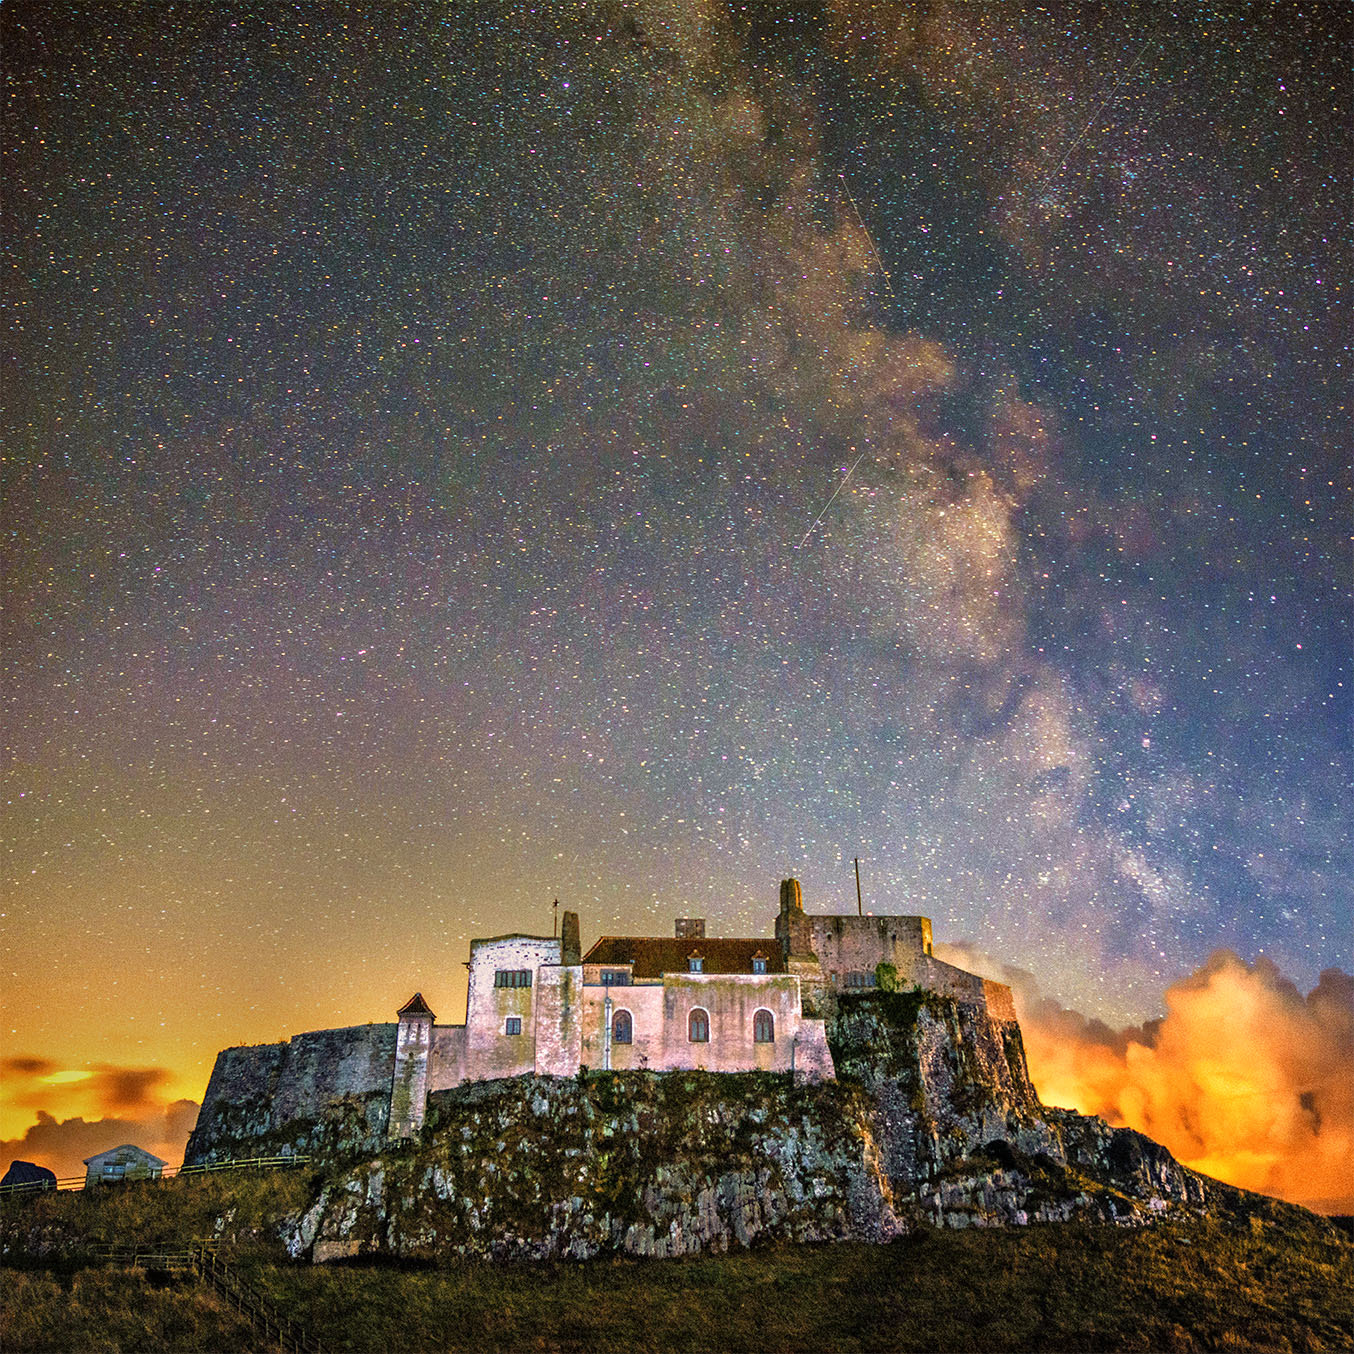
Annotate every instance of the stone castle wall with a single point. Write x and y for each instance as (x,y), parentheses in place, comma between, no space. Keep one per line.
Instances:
(559,1020)
(446,1061)
(958,983)
(488,1050)
(327,1065)
(845,944)
(256,1091)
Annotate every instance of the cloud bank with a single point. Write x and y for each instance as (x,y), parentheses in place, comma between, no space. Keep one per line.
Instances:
(1244,1078)
(103,1106)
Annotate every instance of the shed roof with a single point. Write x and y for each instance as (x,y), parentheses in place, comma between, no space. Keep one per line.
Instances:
(128,1152)
(653,956)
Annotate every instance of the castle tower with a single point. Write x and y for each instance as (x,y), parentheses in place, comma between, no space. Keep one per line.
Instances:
(795,935)
(409,1086)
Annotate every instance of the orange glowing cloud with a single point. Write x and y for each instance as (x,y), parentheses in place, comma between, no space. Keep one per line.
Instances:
(68,1114)
(1243,1079)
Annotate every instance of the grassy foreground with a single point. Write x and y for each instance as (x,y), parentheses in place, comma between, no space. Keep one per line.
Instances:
(1185,1286)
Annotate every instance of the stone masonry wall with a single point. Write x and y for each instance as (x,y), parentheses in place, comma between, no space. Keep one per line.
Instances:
(730,1000)
(446,1060)
(326,1065)
(242,1075)
(963,986)
(254,1092)
(645,1005)
(846,944)
(491,1052)
(559,1020)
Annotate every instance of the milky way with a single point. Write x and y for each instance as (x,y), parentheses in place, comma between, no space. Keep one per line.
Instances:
(414,421)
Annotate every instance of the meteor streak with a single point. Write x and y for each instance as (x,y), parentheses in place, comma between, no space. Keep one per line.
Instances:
(830,501)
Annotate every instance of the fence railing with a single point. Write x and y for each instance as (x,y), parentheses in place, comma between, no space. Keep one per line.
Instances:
(214,1269)
(165,1260)
(172,1173)
(204,1261)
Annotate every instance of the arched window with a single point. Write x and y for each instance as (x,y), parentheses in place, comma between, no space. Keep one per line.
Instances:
(763,1028)
(698,1027)
(622,1028)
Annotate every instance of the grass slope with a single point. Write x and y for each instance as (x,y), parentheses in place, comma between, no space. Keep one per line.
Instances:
(1233,1284)
(1271,1279)
(1178,1287)
(112,1311)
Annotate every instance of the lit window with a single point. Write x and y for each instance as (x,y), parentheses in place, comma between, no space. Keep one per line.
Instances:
(763,1028)
(513,1025)
(695,964)
(622,1028)
(512,977)
(759,965)
(698,1027)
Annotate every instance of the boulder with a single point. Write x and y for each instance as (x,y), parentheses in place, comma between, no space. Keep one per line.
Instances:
(29,1174)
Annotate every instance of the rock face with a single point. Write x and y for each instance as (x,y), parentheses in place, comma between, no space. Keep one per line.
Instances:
(933,1120)
(644,1163)
(29,1174)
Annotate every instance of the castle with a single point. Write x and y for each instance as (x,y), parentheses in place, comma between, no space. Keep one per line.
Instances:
(537,1004)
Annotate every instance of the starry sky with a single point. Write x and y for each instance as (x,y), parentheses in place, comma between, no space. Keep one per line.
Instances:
(459,456)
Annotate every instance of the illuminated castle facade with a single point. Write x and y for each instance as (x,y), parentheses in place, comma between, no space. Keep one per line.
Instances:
(537,1004)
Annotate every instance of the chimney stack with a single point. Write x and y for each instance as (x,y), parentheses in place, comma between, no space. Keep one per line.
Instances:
(690,928)
(792,926)
(570,942)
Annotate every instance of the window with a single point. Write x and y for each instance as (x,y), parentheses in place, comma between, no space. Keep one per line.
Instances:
(615,977)
(859,980)
(695,964)
(512,977)
(698,1027)
(758,964)
(512,1025)
(763,1028)
(622,1028)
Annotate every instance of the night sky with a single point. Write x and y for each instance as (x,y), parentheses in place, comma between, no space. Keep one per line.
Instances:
(420,427)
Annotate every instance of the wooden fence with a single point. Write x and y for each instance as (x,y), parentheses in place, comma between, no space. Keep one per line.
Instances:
(173,1173)
(219,1273)
(202,1260)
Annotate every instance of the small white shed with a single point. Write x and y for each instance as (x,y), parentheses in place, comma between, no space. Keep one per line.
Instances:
(122,1163)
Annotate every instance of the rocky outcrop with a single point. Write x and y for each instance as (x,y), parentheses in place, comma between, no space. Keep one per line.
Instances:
(28,1175)
(932,1120)
(641,1163)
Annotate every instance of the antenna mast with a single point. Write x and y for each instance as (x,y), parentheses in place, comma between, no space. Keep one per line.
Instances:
(859,908)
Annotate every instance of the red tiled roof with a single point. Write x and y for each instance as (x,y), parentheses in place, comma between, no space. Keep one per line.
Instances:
(653,956)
